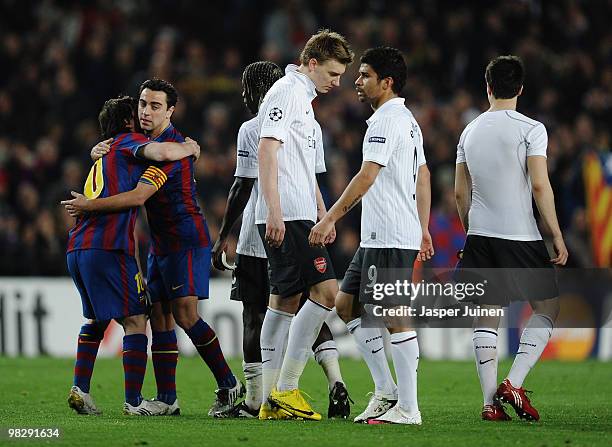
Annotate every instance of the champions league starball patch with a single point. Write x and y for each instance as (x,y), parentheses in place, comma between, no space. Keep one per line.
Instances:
(276,114)
(320,264)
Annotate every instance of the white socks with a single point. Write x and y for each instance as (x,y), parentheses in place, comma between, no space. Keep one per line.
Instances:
(273,340)
(252,377)
(405,353)
(303,332)
(326,355)
(371,345)
(485,352)
(533,341)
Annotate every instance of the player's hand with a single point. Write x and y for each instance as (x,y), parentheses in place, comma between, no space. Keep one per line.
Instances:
(217,251)
(332,236)
(427,249)
(560,250)
(194,146)
(101,149)
(275,230)
(321,233)
(78,206)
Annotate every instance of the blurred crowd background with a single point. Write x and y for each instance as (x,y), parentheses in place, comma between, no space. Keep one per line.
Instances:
(62,59)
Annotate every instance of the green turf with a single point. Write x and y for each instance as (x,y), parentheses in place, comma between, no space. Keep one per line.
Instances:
(573,399)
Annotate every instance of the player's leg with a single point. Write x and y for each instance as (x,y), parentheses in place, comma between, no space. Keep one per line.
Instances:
(250,285)
(536,282)
(204,338)
(326,355)
(534,339)
(164,346)
(134,357)
(369,341)
(377,264)
(273,343)
(405,353)
(478,255)
(252,319)
(89,338)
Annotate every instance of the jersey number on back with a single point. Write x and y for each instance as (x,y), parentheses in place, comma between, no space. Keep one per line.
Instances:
(95,180)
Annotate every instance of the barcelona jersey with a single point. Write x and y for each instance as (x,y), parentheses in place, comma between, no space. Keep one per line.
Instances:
(174,217)
(119,171)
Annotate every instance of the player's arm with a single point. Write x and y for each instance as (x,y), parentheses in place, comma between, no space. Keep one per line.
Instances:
(321,210)
(268,178)
(237,200)
(423,200)
(169,151)
(356,189)
(545,201)
(155,151)
(150,181)
(463,193)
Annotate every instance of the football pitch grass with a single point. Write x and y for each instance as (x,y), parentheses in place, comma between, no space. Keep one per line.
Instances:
(574,400)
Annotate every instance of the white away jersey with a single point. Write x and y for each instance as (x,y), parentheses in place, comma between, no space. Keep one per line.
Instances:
(249,242)
(389,217)
(286,115)
(495,147)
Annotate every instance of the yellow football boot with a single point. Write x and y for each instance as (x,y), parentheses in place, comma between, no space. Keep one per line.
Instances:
(266,412)
(294,403)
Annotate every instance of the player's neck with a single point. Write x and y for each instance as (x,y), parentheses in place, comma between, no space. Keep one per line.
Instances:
(502,104)
(157,132)
(381,100)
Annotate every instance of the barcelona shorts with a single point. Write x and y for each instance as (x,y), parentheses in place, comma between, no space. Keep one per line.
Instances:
(109,283)
(184,273)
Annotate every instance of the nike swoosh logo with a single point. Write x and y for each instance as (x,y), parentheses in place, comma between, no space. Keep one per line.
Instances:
(521,352)
(177,287)
(289,407)
(486,361)
(264,361)
(375,351)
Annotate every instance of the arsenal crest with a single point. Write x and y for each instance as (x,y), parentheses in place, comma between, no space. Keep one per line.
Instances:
(320,264)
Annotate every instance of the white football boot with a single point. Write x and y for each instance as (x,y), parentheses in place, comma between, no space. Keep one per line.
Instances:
(82,402)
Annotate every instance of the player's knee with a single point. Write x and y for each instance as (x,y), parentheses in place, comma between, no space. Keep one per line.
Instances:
(344,307)
(134,324)
(550,308)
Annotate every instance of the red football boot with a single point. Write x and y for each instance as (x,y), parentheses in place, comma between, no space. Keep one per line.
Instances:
(517,397)
(494,412)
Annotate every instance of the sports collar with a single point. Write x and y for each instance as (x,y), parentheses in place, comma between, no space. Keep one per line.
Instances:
(386,105)
(301,78)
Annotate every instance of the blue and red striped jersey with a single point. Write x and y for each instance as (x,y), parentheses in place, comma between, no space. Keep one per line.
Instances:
(119,171)
(174,216)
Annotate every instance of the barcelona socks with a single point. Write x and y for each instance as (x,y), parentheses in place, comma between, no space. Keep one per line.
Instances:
(134,366)
(90,337)
(207,344)
(164,350)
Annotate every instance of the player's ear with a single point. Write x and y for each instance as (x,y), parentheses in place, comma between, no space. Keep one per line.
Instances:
(169,112)
(312,64)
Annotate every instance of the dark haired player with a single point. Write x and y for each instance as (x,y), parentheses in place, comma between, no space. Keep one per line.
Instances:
(250,282)
(393,184)
(179,259)
(101,259)
(501,165)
